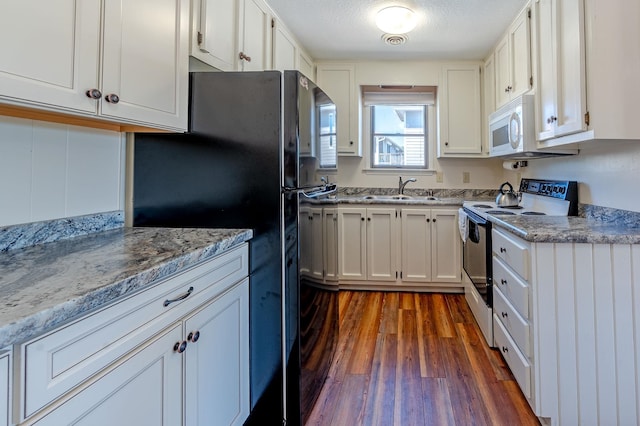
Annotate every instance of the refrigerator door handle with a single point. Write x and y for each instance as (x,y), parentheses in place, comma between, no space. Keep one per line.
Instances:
(313,191)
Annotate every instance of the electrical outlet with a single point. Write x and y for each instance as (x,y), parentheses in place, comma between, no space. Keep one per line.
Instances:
(439,177)
(466,177)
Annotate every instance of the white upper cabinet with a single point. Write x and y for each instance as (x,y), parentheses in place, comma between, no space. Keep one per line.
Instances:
(561,65)
(285,48)
(305,65)
(513,60)
(214,32)
(141,77)
(145,61)
(460,130)
(232,35)
(55,59)
(255,53)
(587,70)
(338,82)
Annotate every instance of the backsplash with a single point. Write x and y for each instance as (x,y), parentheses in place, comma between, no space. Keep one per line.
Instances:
(30,234)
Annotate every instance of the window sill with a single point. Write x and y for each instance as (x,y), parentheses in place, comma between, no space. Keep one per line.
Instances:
(424,172)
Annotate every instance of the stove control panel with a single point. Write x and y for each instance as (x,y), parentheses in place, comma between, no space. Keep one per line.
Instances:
(564,190)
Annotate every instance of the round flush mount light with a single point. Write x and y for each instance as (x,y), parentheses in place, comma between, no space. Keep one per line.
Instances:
(396,20)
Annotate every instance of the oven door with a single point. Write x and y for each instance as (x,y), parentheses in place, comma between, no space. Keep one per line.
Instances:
(477,256)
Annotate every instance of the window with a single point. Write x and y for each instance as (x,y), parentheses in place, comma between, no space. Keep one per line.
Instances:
(398,135)
(398,125)
(327,141)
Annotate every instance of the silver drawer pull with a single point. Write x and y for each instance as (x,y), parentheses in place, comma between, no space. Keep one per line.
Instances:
(505,350)
(504,315)
(177,299)
(503,281)
(503,250)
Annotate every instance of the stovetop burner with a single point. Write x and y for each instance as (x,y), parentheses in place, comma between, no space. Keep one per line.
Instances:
(534,213)
(500,212)
(511,207)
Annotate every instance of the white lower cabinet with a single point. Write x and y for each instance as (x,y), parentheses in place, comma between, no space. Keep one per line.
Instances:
(182,341)
(6,367)
(330,244)
(144,389)
(217,361)
(399,246)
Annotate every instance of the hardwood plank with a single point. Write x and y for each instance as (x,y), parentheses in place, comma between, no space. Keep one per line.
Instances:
(362,352)
(350,402)
(460,312)
(408,409)
(390,307)
(381,393)
(437,403)
(436,317)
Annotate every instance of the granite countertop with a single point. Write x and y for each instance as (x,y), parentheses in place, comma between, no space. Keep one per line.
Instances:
(388,200)
(571,229)
(48,284)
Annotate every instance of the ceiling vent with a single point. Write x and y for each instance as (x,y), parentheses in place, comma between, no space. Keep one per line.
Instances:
(394,39)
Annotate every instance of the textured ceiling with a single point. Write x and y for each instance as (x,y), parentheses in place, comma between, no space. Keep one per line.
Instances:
(447,29)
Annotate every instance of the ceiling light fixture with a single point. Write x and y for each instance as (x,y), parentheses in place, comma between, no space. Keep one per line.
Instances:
(396,20)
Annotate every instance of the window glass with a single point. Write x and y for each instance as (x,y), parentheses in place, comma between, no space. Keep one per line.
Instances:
(398,136)
(327,135)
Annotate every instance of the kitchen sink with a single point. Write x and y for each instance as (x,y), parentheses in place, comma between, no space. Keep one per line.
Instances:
(398,197)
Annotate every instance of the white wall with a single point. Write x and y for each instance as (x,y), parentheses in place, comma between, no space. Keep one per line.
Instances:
(353,172)
(51,171)
(608,173)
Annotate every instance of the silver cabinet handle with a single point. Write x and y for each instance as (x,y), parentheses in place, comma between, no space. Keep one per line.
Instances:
(177,299)
(93,94)
(112,98)
(180,346)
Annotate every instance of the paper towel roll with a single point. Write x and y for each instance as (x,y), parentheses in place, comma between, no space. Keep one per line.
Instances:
(510,165)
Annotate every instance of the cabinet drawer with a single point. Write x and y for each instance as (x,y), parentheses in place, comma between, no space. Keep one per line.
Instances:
(517,326)
(56,362)
(513,251)
(511,286)
(517,362)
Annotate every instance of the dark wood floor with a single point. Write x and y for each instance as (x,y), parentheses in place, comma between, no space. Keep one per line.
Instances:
(415,359)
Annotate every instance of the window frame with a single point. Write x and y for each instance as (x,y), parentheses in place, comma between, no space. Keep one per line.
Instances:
(333,135)
(425,134)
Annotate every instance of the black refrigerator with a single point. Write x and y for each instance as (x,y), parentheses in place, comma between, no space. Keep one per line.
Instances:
(252,154)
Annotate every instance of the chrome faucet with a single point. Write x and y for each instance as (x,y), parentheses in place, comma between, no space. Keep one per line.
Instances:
(402,184)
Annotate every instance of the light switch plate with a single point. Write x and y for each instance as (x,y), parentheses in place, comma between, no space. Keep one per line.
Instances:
(466,178)
(439,177)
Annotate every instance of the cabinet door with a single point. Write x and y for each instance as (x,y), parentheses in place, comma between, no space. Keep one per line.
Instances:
(50,52)
(381,244)
(317,235)
(145,389)
(256,36)
(306,240)
(5,387)
(338,81)
(520,53)
(489,96)
(305,65)
(330,244)
(416,245)
(285,49)
(145,61)
(445,246)
(215,28)
(503,72)
(352,248)
(561,61)
(217,361)
(459,102)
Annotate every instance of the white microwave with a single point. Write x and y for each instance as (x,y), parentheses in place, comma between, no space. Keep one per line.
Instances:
(512,128)
(512,132)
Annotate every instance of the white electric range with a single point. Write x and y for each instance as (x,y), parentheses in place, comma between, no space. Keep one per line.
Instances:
(537,197)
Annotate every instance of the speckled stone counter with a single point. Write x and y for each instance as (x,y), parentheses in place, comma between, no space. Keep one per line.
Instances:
(46,285)
(553,229)
(360,199)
